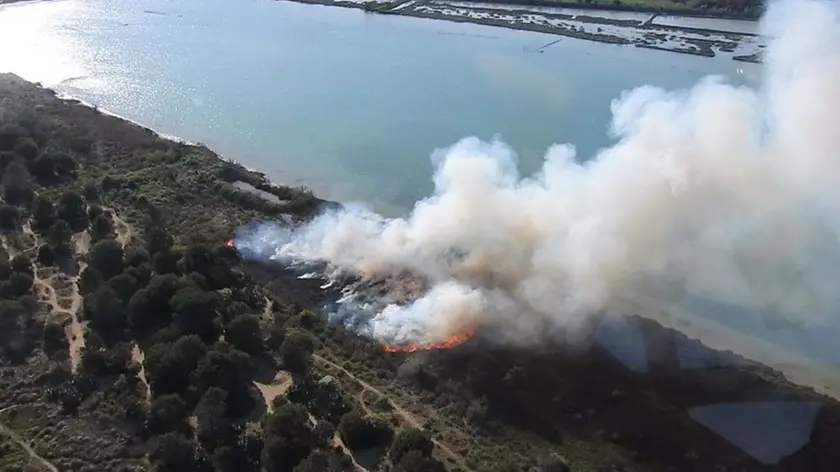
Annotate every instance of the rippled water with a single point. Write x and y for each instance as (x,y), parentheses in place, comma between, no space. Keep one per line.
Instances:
(347,103)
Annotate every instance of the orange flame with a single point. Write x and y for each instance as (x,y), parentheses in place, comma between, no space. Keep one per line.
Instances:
(229,243)
(447,343)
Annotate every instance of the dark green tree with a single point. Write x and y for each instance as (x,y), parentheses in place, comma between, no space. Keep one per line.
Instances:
(136,257)
(73,209)
(43,167)
(94,210)
(416,461)
(9,217)
(361,432)
(410,440)
(22,264)
(51,166)
(213,404)
(17,184)
(12,313)
(101,359)
(288,438)
(325,461)
(65,165)
(143,273)
(54,338)
(158,240)
(105,311)
(243,333)
(89,280)
(26,148)
(149,308)
(59,236)
(211,413)
(234,457)
(172,452)
(90,192)
(5,269)
(9,135)
(125,286)
(296,351)
(224,367)
(165,262)
(46,256)
(7,157)
(44,214)
(198,258)
(196,311)
(197,280)
(106,256)
(170,365)
(19,284)
(101,228)
(167,413)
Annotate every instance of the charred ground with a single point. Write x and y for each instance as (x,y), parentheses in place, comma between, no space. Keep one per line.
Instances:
(136,340)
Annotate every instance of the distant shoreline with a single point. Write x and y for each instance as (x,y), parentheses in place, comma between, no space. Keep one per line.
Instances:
(696,41)
(626,8)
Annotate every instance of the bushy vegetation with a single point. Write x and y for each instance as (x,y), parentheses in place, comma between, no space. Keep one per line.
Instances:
(361,432)
(175,291)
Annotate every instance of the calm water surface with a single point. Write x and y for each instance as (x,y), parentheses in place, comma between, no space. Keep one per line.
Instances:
(347,103)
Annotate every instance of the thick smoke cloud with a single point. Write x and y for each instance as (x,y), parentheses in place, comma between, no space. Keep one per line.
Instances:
(719,193)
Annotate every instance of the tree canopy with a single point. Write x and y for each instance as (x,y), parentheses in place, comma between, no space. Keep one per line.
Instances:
(106,256)
(243,332)
(288,438)
(296,351)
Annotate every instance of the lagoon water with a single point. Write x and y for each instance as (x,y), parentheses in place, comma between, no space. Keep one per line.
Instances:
(348,103)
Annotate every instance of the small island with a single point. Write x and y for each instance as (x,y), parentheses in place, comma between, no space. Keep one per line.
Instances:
(644,24)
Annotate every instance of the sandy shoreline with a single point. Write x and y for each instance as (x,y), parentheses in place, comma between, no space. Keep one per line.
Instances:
(641,32)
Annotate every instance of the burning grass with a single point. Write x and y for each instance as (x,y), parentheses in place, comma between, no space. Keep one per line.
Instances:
(448,343)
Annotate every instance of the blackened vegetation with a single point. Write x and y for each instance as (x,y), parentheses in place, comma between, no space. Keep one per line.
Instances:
(215,334)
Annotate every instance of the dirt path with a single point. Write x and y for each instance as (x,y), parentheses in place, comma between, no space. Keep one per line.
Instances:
(32,454)
(267,315)
(123,229)
(124,233)
(58,291)
(400,411)
(68,304)
(139,357)
(76,328)
(337,442)
(279,386)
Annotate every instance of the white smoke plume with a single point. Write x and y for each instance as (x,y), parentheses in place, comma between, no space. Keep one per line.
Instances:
(718,192)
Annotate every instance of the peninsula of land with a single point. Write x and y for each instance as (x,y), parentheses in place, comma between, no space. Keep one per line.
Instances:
(135,339)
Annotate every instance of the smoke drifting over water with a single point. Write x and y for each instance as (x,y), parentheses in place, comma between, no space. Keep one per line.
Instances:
(718,192)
